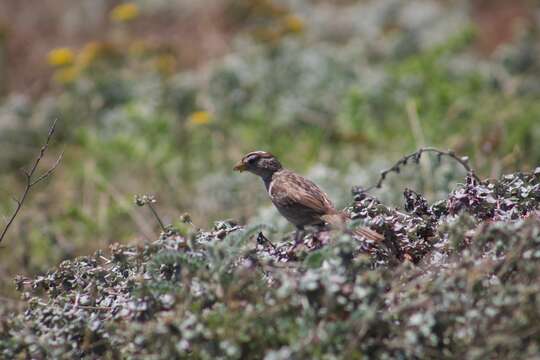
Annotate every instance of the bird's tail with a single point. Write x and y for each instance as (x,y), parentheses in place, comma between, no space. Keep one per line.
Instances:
(339,221)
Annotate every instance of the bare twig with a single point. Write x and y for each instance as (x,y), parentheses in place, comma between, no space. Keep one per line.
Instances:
(119,198)
(415,157)
(31,181)
(142,200)
(261,239)
(157,217)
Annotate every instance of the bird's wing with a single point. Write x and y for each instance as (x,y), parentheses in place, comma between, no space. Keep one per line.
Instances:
(292,190)
(300,198)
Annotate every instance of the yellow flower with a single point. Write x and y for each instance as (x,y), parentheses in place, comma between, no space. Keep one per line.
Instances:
(89,53)
(66,75)
(137,48)
(294,24)
(199,118)
(124,12)
(165,64)
(60,57)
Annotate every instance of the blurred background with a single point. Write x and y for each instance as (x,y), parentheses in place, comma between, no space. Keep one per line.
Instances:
(162,97)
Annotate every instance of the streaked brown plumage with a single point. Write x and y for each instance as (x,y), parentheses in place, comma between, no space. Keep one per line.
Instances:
(298,199)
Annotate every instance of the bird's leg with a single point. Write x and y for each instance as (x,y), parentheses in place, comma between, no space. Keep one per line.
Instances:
(299,235)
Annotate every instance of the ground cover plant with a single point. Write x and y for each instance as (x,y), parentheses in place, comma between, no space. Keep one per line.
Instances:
(142,109)
(338,100)
(454,279)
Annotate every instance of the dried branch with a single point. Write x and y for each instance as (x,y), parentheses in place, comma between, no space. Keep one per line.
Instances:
(157,217)
(261,239)
(31,181)
(142,200)
(415,157)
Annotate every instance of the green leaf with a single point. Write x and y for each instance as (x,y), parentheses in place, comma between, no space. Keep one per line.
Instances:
(315,259)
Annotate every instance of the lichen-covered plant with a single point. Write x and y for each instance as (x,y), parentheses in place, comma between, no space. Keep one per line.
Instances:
(456,279)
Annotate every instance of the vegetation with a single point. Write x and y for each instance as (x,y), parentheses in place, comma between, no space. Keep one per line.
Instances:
(461,281)
(339,102)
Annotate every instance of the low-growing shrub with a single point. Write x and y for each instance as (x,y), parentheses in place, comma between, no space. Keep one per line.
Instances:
(456,279)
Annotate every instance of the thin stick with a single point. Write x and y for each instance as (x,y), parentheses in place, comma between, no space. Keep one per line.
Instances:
(142,200)
(157,217)
(263,239)
(31,181)
(415,156)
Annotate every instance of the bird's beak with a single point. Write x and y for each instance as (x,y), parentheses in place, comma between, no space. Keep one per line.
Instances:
(240,167)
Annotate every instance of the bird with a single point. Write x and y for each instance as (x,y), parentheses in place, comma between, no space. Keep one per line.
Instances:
(296,198)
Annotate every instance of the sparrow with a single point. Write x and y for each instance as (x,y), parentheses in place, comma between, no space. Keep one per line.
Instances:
(296,198)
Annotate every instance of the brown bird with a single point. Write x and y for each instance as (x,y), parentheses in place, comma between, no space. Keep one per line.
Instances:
(298,199)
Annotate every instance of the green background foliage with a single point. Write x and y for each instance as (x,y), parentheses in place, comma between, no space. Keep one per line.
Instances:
(338,91)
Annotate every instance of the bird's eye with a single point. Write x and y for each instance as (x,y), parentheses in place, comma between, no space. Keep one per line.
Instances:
(252,159)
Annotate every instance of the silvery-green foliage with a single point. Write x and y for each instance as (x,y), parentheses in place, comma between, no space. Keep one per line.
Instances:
(471,270)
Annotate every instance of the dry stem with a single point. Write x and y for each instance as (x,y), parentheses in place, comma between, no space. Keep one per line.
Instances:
(415,156)
(31,181)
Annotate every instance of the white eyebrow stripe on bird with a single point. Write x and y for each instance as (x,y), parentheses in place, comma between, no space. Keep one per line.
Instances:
(251,156)
(259,154)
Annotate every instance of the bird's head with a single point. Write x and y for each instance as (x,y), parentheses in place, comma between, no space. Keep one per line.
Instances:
(260,163)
